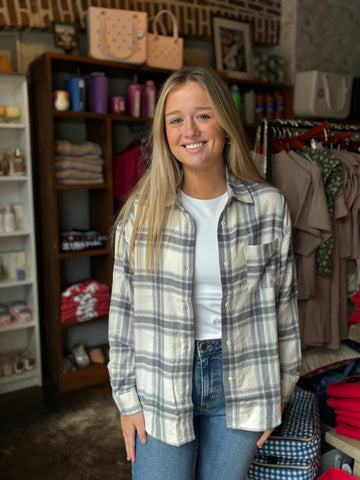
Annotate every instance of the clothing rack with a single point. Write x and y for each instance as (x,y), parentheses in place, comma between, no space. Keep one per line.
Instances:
(265,129)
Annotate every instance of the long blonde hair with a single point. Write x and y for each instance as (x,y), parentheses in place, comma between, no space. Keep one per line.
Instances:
(157,189)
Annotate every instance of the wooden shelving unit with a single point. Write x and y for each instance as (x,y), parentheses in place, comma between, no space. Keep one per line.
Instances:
(95,202)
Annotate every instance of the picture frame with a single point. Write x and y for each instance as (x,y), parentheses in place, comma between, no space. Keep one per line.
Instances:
(232,47)
(66,36)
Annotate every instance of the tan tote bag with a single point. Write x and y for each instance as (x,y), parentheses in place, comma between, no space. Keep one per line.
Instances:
(165,51)
(117,35)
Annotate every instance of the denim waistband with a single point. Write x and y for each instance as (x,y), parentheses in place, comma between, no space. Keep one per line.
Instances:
(204,347)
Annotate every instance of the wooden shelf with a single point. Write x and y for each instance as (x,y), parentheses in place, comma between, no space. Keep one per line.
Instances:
(83,377)
(348,445)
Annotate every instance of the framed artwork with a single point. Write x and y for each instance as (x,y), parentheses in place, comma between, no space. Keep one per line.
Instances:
(66,36)
(232,47)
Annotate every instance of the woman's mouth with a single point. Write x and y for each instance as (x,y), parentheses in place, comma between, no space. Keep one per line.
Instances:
(193,146)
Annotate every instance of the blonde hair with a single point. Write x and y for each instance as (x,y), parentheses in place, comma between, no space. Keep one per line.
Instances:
(156,191)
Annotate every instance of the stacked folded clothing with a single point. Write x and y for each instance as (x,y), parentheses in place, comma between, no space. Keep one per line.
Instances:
(344,397)
(84,301)
(355,316)
(76,164)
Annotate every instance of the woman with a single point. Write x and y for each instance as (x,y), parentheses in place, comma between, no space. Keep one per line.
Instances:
(203,329)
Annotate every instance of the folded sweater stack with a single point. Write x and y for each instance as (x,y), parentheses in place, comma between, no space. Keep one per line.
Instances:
(76,164)
(83,301)
(344,397)
(354,317)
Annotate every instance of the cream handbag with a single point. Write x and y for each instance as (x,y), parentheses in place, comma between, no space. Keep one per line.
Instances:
(165,51)
(117,35)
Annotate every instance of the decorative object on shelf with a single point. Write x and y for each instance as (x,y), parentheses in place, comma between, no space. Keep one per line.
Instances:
(164,51)
(134,98)
(149,99)
(98,92)
(17,162)
(66,36)
(2,113)
(13,266)
(269,68)
(61,100)
(13,113)
(322,94)
(5,65)
(117,35)
(232,47)
(77,93)
(118,105)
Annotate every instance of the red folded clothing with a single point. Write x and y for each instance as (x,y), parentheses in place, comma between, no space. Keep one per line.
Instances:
(343,429)
(355,299)
(355,415)
(344,404)
(347,388)
(354,317)
(348,420)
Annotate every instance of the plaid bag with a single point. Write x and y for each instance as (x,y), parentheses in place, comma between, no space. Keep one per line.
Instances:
(293,449)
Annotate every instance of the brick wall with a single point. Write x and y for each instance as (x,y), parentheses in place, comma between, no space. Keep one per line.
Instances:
(194,16)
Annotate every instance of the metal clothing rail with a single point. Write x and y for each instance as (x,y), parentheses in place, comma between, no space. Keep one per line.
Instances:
(265,129)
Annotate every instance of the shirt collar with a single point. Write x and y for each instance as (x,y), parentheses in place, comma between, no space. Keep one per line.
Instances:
(236,188)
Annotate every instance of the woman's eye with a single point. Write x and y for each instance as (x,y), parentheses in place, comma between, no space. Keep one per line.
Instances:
(203,116)
(175,121)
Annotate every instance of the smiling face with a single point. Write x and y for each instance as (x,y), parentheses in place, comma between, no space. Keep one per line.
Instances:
(194,136)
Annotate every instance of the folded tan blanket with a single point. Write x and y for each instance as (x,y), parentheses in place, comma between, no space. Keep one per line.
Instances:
(64,147)
(78,175)
(89,158)
(77,165)
(74,181)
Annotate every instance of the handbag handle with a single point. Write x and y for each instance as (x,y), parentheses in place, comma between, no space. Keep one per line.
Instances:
(175,30)
(345,89)
(105,44)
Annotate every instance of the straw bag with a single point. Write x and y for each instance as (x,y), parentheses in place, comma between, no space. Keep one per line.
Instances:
(117,35)
(165,51)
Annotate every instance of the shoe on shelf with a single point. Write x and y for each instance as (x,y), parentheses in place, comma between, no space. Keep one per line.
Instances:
(80,355)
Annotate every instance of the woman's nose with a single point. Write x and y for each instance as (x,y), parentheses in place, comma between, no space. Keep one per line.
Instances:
(191,128)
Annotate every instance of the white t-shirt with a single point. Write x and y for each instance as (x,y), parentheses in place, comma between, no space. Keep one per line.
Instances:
(207,292)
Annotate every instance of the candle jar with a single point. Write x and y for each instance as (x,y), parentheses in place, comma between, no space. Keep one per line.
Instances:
(13,113)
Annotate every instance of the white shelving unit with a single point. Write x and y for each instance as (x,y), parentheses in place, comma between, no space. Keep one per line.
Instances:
(17,338)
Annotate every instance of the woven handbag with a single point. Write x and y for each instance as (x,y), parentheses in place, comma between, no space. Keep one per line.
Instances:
(117,35)
(165,51)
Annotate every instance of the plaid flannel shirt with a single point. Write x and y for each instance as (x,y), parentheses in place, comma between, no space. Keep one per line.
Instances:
(151,323)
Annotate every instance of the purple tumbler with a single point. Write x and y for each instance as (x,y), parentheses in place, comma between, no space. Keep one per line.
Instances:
(98,89)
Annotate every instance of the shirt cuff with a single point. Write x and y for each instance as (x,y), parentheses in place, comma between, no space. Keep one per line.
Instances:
(128,403)
(288,384)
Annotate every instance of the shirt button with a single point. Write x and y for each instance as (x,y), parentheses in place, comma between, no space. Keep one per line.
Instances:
(228,343)
(227,305)
(223,223)
(226,264)
(230,379)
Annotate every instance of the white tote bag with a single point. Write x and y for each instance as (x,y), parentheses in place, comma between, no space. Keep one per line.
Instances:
(117,35)
(322,94)
(165,51)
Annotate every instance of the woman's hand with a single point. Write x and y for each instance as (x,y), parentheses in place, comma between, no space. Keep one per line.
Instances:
(130,426)
(267,433)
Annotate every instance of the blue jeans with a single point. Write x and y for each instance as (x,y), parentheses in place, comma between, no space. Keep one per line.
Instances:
(218,452)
